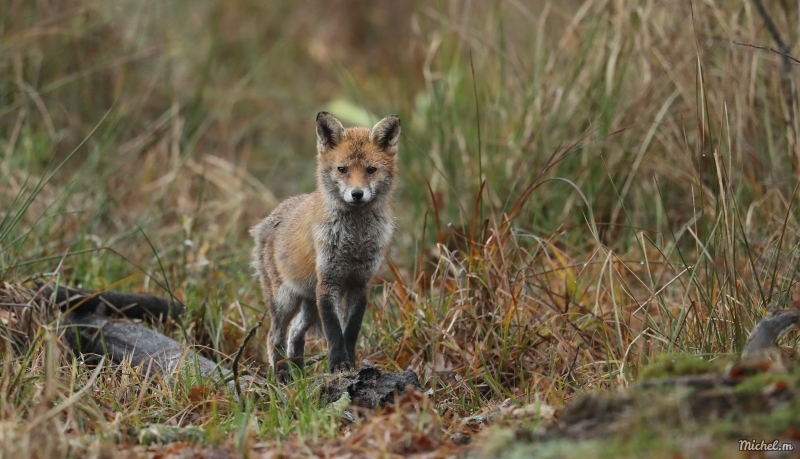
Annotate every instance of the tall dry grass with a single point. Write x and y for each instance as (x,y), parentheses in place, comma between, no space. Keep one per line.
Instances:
(585,185)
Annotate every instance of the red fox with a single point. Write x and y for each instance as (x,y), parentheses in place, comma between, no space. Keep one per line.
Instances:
(315,254)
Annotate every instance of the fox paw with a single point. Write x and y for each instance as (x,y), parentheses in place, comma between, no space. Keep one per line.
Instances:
(283,377)
(282,373)
(342,367)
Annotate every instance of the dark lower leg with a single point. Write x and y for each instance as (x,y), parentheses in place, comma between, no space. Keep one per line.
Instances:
(308,317)
(333,330)
(282,315)
(278,355)
(357,304)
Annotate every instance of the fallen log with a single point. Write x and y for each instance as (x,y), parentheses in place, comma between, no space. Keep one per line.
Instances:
(111,303)
(769,330)
(158,355)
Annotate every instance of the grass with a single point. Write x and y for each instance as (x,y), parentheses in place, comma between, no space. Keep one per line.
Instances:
(585,186)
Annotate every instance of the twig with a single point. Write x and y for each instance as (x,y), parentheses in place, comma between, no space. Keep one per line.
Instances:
(790,90)
(773,29)
(793,60)
(235,365)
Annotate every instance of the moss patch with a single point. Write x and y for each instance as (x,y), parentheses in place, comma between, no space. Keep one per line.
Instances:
(679,365)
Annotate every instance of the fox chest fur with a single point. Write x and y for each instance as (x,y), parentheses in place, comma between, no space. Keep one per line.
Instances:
(350,247)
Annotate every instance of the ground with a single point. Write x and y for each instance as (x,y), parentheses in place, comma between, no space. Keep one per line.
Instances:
(587,188)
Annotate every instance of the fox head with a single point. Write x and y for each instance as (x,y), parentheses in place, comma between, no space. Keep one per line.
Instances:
(357,166)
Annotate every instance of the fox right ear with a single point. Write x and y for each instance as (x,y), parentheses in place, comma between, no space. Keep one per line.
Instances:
(329,131)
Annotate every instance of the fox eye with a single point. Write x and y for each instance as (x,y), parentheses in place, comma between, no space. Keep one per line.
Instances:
(371,170)
(343,169)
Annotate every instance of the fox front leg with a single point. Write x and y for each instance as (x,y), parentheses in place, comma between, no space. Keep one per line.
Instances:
(356,304)
(327,301)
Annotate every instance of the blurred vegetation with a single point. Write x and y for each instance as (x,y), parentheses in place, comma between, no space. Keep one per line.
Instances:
(585,184)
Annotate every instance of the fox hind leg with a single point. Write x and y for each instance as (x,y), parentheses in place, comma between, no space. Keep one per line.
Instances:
(283,308)
(305,320)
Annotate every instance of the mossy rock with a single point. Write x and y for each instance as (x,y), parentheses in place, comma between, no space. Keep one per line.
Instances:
(670,365)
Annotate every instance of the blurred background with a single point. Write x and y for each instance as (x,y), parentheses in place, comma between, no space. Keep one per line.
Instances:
(636,164)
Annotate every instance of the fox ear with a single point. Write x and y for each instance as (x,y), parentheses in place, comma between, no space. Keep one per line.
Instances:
(329,131)
(386,133)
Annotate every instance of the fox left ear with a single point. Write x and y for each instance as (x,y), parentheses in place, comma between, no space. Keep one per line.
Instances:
(386,133)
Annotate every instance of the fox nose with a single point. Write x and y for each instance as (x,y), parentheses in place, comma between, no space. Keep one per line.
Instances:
(357,195)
